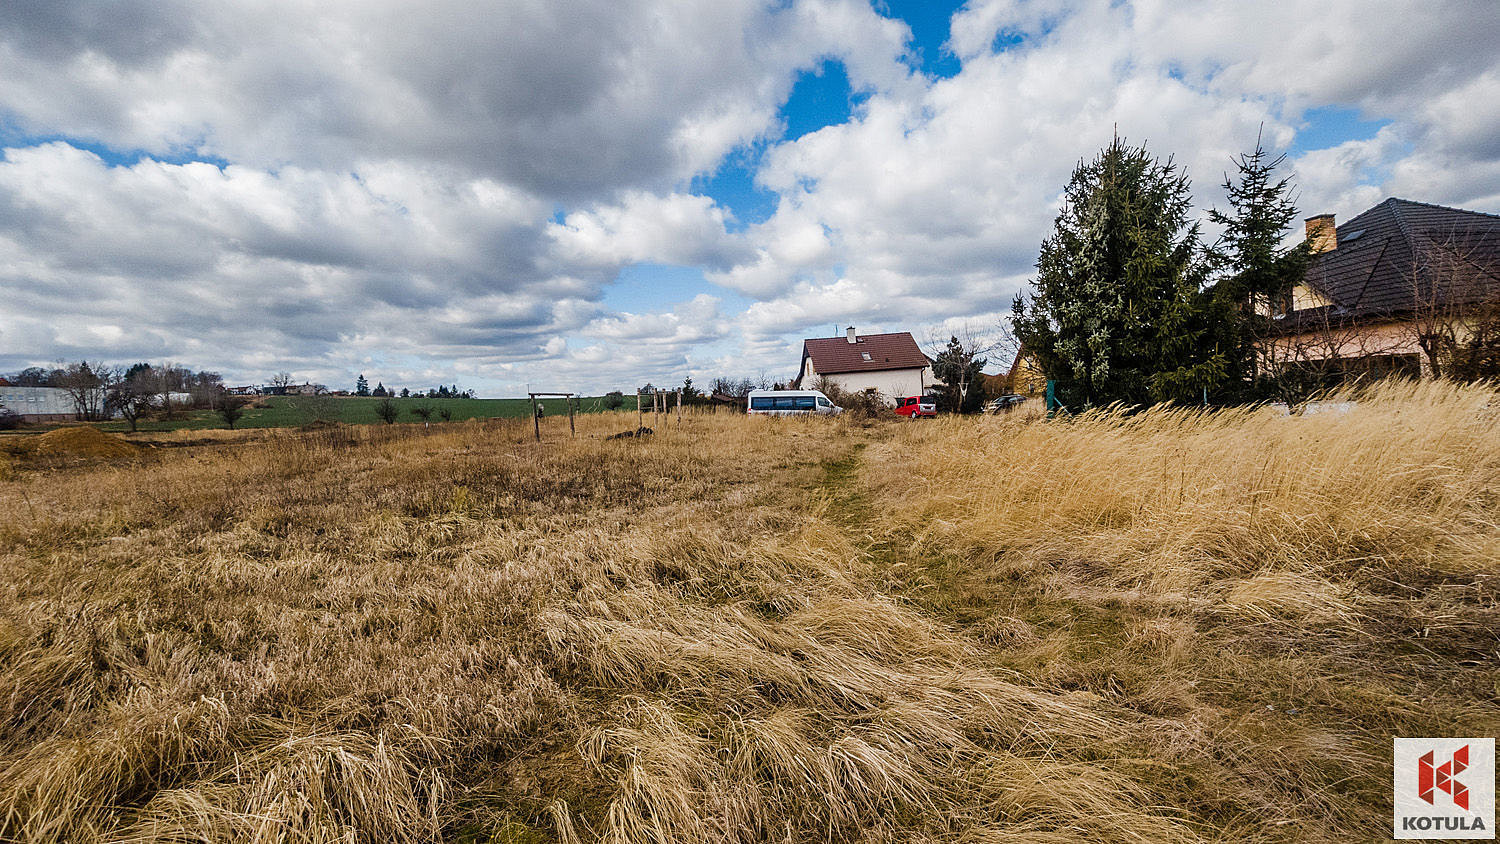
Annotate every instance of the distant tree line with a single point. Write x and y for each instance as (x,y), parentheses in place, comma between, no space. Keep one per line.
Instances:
(442,391)
(98,391)
(101,391)
(720,387)
(737,387)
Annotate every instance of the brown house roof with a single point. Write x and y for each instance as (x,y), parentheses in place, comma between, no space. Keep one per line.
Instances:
(1401,255)
(870,353)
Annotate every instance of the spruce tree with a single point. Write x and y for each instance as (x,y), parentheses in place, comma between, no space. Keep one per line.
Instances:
(1116,315)
(1256,273)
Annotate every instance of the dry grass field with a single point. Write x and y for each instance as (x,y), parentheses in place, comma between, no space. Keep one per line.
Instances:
(1169,626)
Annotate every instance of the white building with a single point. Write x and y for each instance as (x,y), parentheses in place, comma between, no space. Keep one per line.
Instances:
(891,364)
(39,404)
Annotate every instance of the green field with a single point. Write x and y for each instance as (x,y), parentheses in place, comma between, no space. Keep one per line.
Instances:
(291,411)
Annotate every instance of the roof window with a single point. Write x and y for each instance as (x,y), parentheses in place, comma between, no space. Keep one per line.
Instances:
(1351,236)
(865,355)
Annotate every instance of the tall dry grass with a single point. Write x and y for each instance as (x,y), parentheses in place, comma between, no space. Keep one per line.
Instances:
(748,629)
(1265,600)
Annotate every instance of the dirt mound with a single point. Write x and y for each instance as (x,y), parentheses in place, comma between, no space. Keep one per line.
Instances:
(82,441)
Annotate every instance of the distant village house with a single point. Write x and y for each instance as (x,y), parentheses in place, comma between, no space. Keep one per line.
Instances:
(891,364)
(280,390)
(1024,378)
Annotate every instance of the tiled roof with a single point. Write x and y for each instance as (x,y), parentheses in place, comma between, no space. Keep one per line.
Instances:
(1401,253)
(871,353)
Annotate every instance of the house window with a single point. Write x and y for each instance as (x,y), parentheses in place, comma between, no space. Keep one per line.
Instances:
(865,355)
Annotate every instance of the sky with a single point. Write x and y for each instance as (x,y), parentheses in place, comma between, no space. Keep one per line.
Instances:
(595,195)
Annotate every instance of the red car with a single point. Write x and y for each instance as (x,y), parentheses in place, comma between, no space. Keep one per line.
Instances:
(916,407)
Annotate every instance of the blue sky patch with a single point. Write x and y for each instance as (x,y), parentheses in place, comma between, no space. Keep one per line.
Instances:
(11,136)
(821,97)
(1330,126)
(1007,39)
(650,288)
(929,22)
(733,186)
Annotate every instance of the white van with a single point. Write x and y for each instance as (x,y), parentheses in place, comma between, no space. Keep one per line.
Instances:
(790,403)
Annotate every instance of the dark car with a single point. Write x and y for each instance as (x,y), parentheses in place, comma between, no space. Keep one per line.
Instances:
(1001,403)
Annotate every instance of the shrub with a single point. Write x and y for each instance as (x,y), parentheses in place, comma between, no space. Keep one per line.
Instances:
(387,411)
(230,409)
(862,404)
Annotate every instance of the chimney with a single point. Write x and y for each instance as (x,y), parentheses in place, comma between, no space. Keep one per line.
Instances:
(849,333)
(1321,234)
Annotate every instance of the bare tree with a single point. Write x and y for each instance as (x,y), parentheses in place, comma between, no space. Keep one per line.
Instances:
(168,378)
(1455,290)
(959,360)
(731,387)
(281,380)
(130,394)
(1317,349)
(205,388)
(87,385)
(1477,357)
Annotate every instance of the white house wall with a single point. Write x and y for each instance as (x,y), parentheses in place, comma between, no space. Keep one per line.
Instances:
(890,383)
